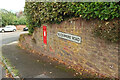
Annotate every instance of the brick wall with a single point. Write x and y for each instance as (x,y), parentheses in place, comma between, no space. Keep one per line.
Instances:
(92,55)
(20,27)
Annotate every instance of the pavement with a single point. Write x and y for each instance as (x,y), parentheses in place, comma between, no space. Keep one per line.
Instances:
(6,38)
(2,71)
(31,65)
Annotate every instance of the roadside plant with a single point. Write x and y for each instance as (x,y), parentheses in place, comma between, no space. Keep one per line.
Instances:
(38,13)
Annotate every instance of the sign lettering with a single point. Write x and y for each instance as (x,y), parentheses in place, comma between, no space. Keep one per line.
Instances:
(70,37)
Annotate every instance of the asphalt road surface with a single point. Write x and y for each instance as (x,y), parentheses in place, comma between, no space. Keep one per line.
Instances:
(6,38)
(9,37)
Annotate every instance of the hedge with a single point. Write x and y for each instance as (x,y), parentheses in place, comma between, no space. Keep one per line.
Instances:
(38,13)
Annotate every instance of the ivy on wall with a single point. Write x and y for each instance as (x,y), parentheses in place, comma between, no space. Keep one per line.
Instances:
(108,30)
(38,13)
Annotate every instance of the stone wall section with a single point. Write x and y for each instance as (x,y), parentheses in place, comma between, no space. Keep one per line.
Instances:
(92,55)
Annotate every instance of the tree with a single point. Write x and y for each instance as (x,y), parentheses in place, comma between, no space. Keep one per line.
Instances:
(9,18)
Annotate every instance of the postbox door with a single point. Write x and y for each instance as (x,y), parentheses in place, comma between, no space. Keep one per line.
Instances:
(44,34)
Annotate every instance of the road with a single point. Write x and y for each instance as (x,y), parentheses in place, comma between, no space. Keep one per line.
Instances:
(6,38)
(24,60)
(9,37)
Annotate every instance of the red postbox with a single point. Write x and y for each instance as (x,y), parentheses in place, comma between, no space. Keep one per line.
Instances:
(44,34)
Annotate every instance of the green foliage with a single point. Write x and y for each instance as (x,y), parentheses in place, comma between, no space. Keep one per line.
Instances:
(21,20)
(38,13)
(30,23)
(56,12)
(101,10)
(9,18)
